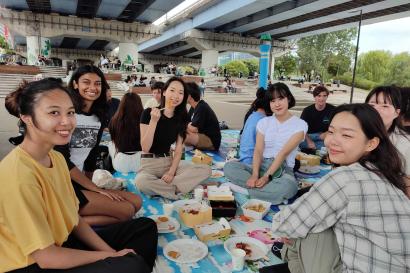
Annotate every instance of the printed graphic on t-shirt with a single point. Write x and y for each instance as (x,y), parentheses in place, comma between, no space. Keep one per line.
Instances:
(84,137)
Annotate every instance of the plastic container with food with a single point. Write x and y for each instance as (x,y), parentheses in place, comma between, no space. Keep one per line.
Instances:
(255,208)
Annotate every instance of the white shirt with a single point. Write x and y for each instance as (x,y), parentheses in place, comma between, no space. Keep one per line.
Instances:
(277,134)
(84,138)
(402,143)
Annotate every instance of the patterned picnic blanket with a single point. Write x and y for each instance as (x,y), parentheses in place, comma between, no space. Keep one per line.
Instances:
(217,260)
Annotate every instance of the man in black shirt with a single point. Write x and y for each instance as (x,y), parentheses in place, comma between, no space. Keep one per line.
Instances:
(317,116)
(203,131)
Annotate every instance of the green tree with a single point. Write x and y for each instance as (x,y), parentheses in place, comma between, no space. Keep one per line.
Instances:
(374,65)
(316,52)
(3,43)
(285,65)
(399,70)
(252,65)
(338,65)
(234,67)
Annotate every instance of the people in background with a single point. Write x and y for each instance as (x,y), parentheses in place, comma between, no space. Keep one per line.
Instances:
(270,177)
(203,131)
(124,128)
(162,173)
(202,87)
(317,116)
(97,206)
(387,101)
(156,90)
(40,229)
(259,109)
(349,220)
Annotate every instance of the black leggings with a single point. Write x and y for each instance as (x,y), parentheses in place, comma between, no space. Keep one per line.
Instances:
(138,234)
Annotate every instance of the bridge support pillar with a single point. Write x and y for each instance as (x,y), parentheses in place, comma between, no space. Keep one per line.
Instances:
(264,64)
(128,53)
(209,59)
(37,46)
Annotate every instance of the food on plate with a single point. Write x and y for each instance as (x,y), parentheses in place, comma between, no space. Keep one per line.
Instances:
(245,247)
(173,254)
(163,219)
(308,160)
(256,207)
(201,158)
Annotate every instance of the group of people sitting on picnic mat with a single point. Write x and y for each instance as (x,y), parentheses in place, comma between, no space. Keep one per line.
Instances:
(356,217)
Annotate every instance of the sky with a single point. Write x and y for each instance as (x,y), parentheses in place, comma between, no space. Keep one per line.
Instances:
(391,35)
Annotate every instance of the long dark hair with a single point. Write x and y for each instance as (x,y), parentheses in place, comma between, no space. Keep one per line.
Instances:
(124,125)
(261,102)
(100,106)
(405,106)
(391,95)
(23,100)
(384,160)
(180,112)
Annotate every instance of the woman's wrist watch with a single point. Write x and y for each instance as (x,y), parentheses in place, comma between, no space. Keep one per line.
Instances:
(269,176)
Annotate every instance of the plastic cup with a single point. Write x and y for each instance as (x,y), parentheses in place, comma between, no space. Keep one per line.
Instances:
(238,259)
(168,208)
(198,194)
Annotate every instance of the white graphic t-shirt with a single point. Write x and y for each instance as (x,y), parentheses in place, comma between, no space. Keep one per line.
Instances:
(84,138)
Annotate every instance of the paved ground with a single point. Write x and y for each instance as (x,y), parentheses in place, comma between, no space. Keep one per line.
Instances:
(228,107)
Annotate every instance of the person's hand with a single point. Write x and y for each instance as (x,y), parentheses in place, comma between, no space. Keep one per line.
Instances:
(191,128)
(110,194)
(155,114)
(287,241)
(123,252)
(252,181)
(167,177)
(261,182)
(311,145)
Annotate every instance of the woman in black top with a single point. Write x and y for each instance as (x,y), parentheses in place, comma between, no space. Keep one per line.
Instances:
(125,147)
(97,206)
(161,173)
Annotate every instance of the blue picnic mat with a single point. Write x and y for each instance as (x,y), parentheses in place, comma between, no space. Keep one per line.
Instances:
(217,260)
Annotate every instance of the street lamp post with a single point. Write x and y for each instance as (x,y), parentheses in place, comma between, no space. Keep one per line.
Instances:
(355,59)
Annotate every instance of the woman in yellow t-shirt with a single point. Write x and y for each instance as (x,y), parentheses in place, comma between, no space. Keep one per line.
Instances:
(40,228)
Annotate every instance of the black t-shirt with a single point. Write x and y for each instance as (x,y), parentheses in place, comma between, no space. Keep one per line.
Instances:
(204,118)
(165,134)
(318,121)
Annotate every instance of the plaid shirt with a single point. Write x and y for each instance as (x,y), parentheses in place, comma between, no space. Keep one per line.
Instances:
(370,217)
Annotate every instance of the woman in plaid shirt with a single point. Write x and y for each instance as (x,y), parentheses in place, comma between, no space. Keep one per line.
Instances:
(356,218)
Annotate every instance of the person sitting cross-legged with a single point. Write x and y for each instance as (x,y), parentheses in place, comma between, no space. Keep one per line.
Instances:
(270,177)
(317,117)
(203,131)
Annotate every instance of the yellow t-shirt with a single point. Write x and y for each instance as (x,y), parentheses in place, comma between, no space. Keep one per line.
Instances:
(38,207)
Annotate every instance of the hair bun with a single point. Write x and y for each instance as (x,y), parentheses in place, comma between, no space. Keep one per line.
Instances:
(12,100)
(260,93)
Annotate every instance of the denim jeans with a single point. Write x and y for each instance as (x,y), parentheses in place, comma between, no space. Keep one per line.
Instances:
(316,139)
(275,191)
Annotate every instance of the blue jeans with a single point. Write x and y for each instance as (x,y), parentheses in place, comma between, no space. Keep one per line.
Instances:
(275,191)
(316,139)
